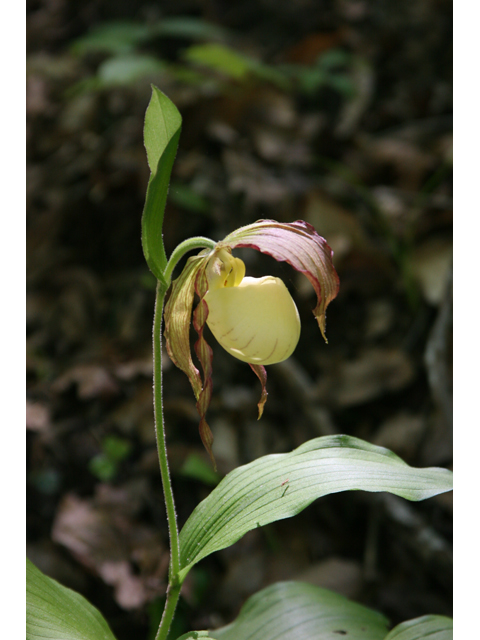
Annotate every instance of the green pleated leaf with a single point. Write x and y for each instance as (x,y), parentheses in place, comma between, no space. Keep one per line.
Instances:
(196,635)
(57,613)
(288,610)
(161,135)
(426,627)
(281,485)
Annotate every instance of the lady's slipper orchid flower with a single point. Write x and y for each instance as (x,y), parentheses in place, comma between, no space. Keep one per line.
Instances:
(254,319)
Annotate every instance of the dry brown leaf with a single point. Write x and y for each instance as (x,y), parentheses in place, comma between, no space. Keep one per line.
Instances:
(409,161)
(253,179)
(375,372)
(332,221)
(432,263)
(402,434)
(139,367)
(311,46)
(37,416)
(92,381)
(274,146)
(129,590)
(103,538)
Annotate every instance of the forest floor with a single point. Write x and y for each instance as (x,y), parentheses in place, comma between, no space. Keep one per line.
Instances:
(335,112)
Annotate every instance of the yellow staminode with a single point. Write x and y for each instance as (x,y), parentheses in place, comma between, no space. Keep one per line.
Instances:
(254,319)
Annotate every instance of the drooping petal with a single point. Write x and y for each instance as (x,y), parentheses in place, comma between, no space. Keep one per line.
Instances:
(298,244)
(178,316)
(205,355)
(261,374)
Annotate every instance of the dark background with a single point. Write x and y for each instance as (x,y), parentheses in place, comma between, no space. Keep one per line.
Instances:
(338,113)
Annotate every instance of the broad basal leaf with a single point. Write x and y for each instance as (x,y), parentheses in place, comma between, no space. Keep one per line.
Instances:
(300,611)
(280,486)
(161,134)
(196,635)
(424,628)
(57,613)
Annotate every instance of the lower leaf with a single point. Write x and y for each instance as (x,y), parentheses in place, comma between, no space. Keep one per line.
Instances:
(302,611)
(424,628)
(196,635)
(57,613)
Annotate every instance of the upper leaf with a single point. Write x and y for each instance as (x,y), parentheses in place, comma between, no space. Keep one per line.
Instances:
(57,613)
(162,121)
(300,245)
(280,486)
(161,135)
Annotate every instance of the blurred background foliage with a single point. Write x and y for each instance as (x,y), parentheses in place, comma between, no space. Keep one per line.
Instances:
(338,112)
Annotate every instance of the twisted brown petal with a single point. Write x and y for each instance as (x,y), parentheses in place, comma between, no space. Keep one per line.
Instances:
(178,316)
(205,355)
(261,374)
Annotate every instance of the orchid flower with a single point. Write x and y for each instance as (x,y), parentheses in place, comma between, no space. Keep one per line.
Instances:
(254,319)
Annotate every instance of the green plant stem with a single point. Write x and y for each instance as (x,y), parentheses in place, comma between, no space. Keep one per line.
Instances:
(173,593)
(174,583)
(174,587)
(160,431)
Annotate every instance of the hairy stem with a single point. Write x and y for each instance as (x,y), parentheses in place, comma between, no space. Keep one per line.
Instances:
(164,470)
(174,584)
(173,593)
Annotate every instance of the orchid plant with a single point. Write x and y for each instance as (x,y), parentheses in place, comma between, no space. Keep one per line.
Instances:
(256,321)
